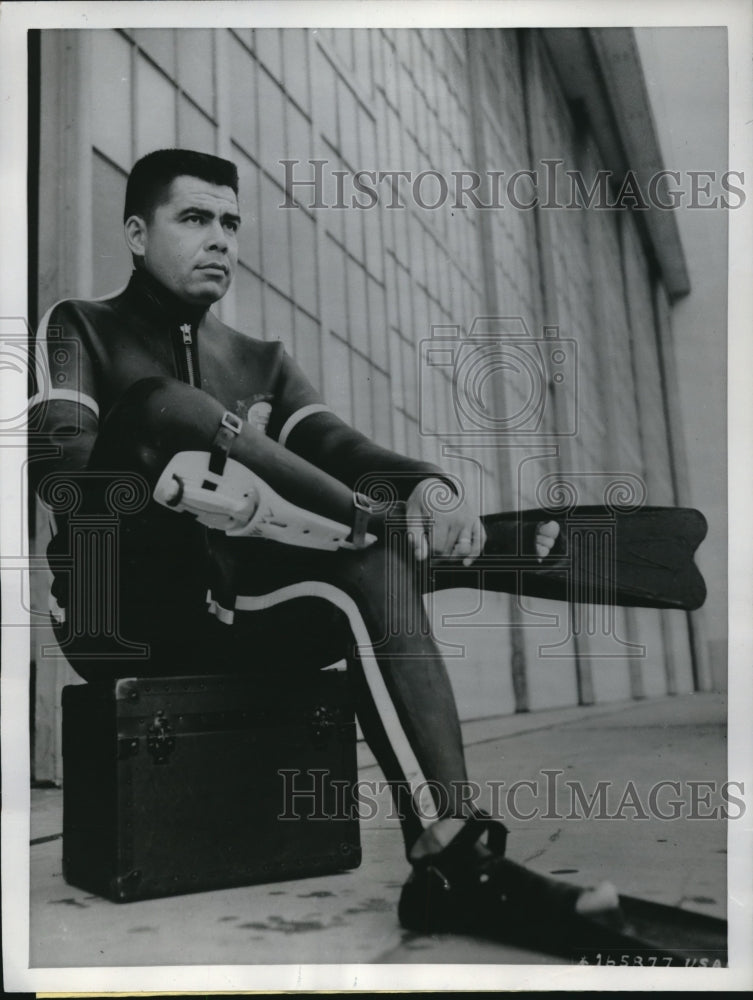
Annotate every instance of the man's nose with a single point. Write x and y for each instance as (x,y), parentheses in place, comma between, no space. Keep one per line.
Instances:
(217,238)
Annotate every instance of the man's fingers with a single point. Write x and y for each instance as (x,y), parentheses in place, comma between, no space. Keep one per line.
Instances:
(479,538)
(444,537)
(464,545)
(476,545)
(454,534)
(547,533)
(550,529)
(469,539)
(420,544)
(544,545)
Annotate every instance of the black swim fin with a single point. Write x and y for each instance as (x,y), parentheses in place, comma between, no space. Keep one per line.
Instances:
(470,889)
(603,555)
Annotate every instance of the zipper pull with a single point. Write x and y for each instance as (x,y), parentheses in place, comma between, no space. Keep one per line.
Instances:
(186,331)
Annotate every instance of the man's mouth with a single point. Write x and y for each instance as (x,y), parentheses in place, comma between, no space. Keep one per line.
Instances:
(214,268)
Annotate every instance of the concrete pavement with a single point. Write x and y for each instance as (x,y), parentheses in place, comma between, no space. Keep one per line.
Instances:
(608,756)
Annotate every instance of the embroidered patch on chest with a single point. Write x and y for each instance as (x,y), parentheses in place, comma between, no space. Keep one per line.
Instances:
(256,410)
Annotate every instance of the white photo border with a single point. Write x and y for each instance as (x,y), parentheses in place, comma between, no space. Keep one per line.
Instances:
(16,19)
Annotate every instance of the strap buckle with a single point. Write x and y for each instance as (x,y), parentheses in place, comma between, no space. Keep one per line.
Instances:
(361,501)
(232,422)
(229,429)
(363,508)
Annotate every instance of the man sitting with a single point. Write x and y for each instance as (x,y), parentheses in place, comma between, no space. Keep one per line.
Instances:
(281,552)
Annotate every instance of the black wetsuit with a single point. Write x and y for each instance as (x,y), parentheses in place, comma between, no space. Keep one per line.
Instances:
(91,353)
(113,385)
(147,331)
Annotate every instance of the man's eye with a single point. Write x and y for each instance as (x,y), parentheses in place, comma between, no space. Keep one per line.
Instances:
(193,218)
(232,226)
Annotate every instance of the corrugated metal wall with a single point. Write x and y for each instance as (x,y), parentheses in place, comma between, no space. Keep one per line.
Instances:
(352,293)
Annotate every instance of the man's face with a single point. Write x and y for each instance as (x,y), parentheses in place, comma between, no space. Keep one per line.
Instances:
(191,242)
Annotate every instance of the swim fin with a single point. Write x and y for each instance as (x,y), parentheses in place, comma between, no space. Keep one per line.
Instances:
(471,889)
(604,555)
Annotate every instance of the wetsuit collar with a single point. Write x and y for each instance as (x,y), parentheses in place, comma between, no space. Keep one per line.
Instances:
(151,291)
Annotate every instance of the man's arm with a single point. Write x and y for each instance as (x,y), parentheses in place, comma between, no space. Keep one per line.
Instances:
(304,424)
(63,409)
(310,429)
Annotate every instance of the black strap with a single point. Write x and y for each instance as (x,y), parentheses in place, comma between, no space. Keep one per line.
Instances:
(228,431)
(363,509)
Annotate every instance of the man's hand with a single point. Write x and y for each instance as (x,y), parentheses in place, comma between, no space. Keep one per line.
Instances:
(547,533)
(456,532)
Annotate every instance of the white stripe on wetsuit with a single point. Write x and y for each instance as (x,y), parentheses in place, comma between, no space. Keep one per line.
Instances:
(295,418)
(42,367)
(65,394)
(387,713)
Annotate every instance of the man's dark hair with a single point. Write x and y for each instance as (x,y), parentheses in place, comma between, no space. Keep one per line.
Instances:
(152,175)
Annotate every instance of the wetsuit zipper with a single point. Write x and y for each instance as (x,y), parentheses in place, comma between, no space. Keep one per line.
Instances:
(188,349)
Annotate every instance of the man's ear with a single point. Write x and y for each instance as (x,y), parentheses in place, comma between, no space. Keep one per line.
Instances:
(135,234)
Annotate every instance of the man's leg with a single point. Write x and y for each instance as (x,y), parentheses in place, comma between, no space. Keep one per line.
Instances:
(461,879)
(404,699)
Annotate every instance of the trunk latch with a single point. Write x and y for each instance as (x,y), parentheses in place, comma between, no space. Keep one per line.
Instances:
(160,739)
(322,721)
